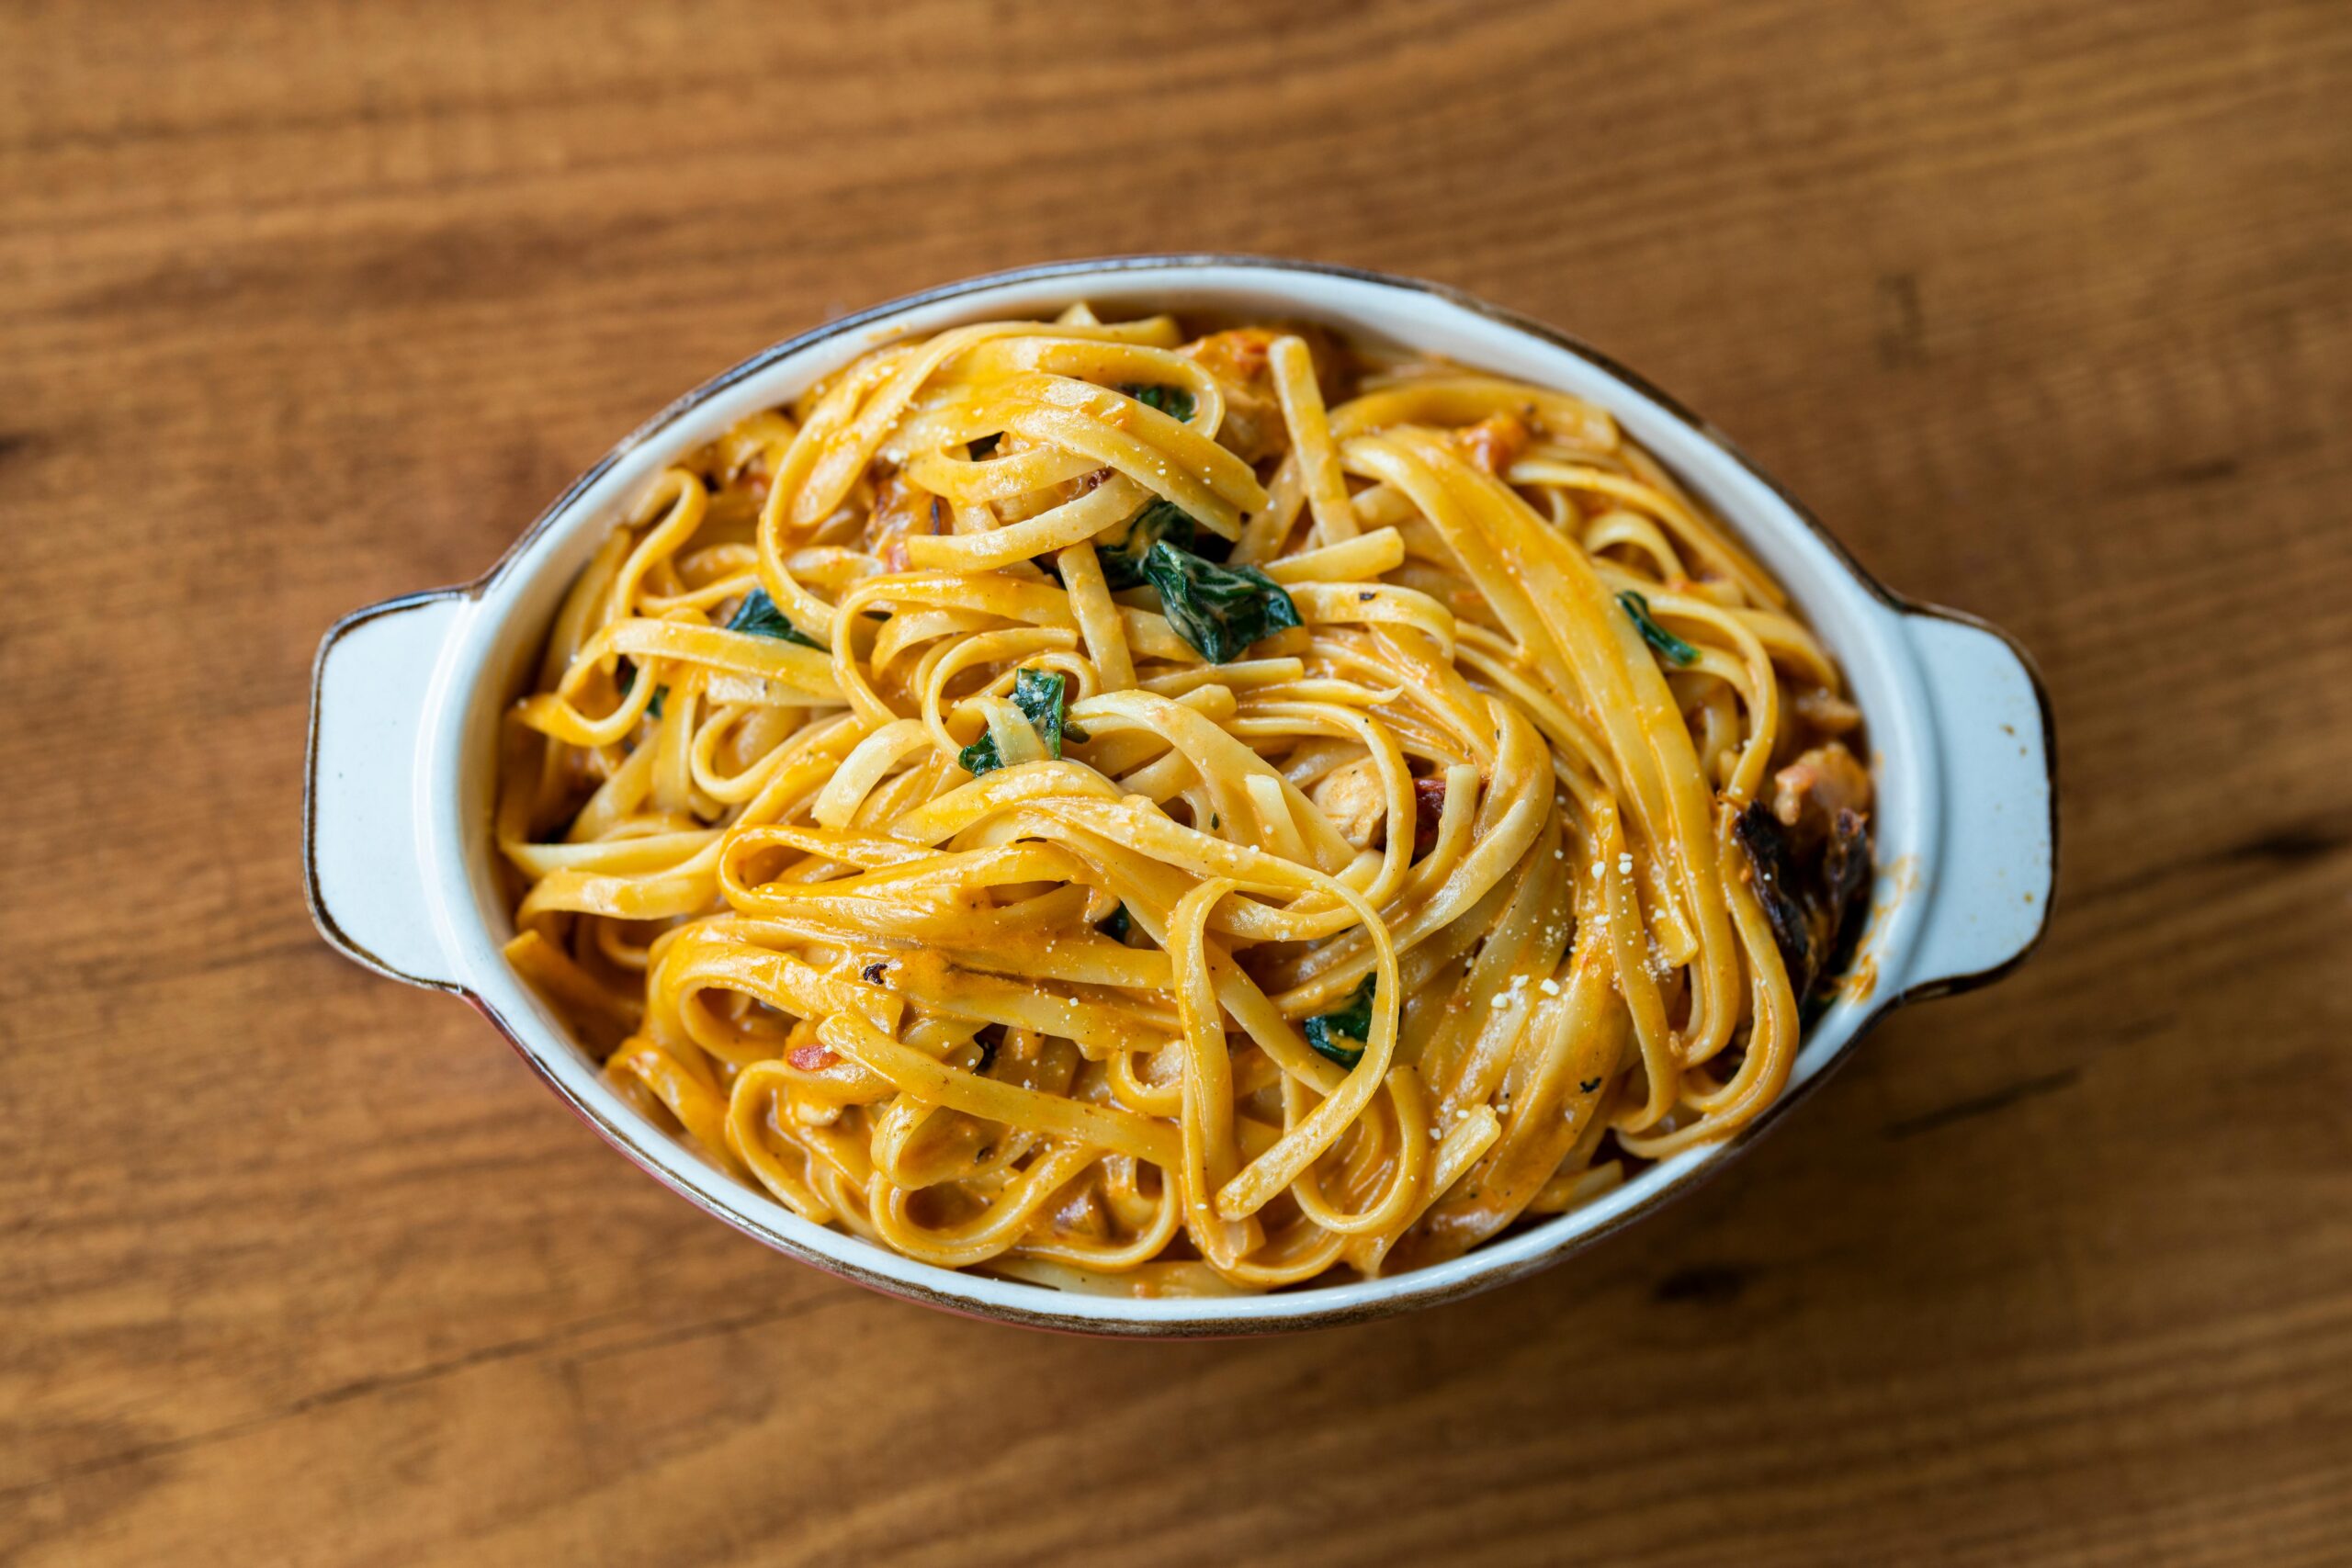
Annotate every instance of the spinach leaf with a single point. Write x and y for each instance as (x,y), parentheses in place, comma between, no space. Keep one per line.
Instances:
(980,756)
(759,616)
(1040,695)
(1123,561)
(627,678)
(1117,925)
(1340,1035)
(1173,401)
(1657,636)
(1220,610)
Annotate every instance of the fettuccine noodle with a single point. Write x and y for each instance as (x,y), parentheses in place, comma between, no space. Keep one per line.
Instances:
(1172,814)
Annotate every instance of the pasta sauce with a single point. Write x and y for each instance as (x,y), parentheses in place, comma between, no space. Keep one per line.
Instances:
(1158,813)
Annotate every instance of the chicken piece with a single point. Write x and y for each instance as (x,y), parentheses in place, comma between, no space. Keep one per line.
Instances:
(1808,794)
(1351,796)
(1238,355)
(1826,712)
(901,509)
(1253,428)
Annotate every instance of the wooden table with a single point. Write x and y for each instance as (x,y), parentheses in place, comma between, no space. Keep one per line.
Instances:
(2047,308)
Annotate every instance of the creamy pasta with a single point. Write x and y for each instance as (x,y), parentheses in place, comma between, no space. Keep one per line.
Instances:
(1159,811)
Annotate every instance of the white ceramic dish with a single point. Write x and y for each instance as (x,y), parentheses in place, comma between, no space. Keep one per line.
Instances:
(406,699)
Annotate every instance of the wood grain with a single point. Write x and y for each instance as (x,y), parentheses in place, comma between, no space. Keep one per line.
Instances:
(2047,310)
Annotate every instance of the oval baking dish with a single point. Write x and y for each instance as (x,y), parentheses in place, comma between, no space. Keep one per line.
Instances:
(407,696)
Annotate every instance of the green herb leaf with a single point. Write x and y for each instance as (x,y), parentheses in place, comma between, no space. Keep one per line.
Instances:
(1657,636)
(1220,610)
(1040,695)
(1340,1035)
(1173,401)
(627,678)
(980,756)
(1122,559)
(1117,925)
(759,616)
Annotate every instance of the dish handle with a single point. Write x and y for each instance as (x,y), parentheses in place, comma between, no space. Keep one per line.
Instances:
(1989,902)
(362,831)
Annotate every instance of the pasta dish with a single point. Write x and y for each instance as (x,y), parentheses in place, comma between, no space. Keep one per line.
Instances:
(1169,808)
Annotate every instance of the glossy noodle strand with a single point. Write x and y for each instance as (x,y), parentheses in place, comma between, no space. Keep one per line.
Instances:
(1167,814)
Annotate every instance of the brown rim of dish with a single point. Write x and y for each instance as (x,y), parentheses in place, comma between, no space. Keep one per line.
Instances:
(1364,1312)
